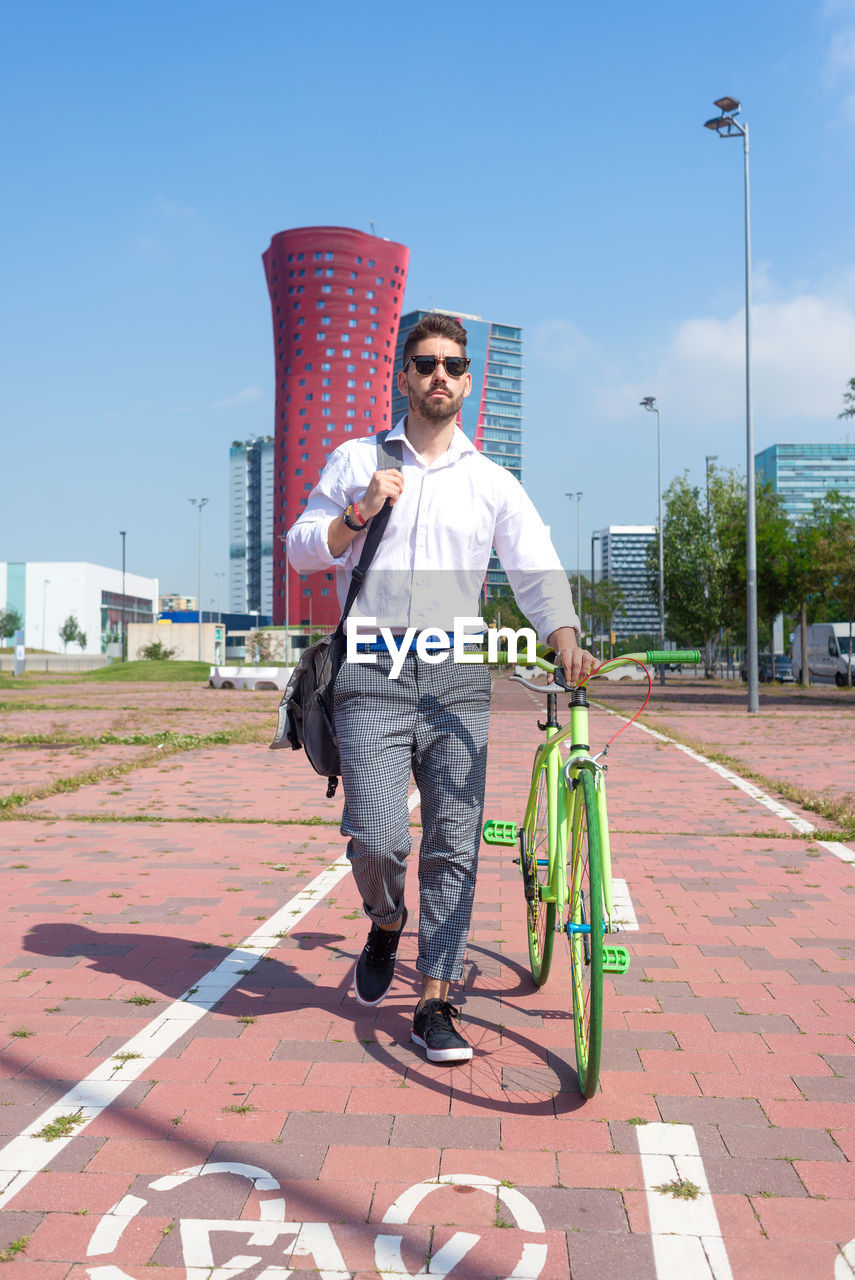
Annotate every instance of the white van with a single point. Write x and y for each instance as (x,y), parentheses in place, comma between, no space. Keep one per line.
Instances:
(828,652)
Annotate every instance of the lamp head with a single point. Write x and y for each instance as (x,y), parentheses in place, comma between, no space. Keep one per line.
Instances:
(725,125)
(649,403)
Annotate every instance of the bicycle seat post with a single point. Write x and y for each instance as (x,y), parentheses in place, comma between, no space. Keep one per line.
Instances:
(551,713)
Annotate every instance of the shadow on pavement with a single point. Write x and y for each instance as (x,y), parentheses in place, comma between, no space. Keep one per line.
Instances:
(514,1074)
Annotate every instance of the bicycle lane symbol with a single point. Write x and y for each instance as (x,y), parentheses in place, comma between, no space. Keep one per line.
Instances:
(305,1243)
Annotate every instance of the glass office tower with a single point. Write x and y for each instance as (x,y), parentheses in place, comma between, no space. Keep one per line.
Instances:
(251,486)
(492,416)
(801,473)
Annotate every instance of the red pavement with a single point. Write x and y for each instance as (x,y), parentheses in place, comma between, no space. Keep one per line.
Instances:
(736,1018)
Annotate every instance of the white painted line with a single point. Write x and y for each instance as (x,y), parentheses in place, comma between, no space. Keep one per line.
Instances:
(624,914)
(841,851)
(780,810)
(686,1236)
(25,1156)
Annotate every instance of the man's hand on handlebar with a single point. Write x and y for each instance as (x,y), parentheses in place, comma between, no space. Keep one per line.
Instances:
(575,662)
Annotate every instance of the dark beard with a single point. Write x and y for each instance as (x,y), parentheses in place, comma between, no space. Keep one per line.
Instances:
(436,410)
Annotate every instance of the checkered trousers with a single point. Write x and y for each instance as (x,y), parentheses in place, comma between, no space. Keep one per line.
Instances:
(433,719)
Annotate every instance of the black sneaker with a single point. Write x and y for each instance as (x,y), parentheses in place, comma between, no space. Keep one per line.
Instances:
(375,968)
(434,1030)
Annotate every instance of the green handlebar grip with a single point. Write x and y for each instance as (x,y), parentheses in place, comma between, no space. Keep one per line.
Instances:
(689,656)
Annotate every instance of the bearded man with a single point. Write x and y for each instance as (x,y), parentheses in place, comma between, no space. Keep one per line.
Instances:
(450,506)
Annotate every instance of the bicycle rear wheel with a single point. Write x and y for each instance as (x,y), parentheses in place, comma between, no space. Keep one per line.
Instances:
(585,932)
(540,915)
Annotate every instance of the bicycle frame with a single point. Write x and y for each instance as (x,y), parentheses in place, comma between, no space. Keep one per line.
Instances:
(561,801)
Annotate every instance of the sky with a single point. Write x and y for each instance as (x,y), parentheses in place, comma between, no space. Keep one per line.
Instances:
(545,164)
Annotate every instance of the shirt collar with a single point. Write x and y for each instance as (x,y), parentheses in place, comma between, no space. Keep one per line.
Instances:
(460,443)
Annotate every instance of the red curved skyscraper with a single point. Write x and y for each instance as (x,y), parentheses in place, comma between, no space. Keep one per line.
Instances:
(336,296)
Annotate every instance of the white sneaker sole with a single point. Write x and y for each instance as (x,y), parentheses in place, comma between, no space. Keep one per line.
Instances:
(369,1004)
(463,1054)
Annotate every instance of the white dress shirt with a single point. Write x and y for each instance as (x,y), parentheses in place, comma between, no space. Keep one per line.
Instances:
(430,566)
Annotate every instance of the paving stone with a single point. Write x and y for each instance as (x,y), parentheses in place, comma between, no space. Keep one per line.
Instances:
(720,1111)
(576,1209)
(594,1256)
(753,1142)
(16,1225)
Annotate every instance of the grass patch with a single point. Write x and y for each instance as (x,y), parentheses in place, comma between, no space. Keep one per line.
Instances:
(140,999)
(22,1033)
(61,1127)
(240,1108)
(679,1188)
(13,1249)
(163,745)
(145,671)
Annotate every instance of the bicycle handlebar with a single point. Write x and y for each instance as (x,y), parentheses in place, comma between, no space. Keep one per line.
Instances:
(689,656)
(650,657)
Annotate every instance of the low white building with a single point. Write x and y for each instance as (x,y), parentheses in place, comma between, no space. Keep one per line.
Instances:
(46,593)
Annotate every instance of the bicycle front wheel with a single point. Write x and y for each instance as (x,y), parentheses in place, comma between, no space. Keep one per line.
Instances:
(534,859)
(585,932)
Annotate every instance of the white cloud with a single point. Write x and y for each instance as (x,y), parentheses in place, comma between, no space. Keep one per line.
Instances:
(802,356)
(840,62)
(242,398)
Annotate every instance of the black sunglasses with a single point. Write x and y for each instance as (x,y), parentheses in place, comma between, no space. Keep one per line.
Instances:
(455,366)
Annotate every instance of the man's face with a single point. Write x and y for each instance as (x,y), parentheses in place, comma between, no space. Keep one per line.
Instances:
(436,396)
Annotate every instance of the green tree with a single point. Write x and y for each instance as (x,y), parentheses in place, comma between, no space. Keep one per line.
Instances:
(259,646)
(70,631)
(695,568)
(848,400)
(10,622)
(774,542)
(833,523)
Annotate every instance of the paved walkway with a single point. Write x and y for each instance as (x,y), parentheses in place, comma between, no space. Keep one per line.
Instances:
(267,1122)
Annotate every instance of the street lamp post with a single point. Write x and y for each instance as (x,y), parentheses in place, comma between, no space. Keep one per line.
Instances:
(201,503)
(219,577)
(123,535)
(727,126)
(710,457)
(595,537)
(45,586)
(577,498)
(649,403)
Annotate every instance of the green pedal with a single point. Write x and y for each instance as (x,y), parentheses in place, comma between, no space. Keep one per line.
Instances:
(496,832)
(615,959)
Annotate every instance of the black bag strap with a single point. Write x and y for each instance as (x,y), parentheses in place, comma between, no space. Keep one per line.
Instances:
(386,461)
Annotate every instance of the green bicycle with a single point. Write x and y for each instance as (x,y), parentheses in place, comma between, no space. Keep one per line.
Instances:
(565,857)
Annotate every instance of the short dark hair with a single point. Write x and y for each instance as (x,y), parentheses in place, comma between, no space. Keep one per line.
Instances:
(435,325)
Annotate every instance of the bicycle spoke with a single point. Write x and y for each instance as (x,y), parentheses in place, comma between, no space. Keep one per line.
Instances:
(540,915)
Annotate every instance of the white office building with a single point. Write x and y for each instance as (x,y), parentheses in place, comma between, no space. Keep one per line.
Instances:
(624,561)
(47,593)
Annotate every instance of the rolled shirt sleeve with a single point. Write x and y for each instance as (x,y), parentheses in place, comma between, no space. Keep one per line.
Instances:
(534,571)
(308,548)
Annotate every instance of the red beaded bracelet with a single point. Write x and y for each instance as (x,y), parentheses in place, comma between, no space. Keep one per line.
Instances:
(359,515)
